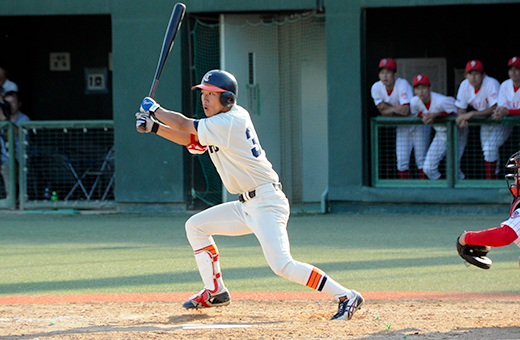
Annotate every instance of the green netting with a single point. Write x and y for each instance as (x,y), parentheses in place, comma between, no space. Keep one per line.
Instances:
(291,49)
(206,54)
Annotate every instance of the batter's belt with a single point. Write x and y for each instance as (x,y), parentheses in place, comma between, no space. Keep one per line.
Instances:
(246,196)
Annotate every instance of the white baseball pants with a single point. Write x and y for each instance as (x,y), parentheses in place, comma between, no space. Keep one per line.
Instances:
(491,138)
(266,215)
(437,151)
(416,137)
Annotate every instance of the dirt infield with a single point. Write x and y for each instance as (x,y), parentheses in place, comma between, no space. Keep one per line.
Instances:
(261,316)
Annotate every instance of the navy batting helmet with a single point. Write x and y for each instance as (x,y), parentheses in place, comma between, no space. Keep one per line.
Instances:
(220,81)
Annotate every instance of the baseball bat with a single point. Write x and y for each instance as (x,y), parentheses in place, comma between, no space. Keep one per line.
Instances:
(169,38)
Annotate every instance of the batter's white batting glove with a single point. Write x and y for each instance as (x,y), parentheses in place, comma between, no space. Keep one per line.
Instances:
(145,124)
(149,105)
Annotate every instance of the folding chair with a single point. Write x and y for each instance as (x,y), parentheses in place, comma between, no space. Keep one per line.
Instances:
(91,171)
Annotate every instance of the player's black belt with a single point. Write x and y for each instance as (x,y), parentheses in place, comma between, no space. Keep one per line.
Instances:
(246,196)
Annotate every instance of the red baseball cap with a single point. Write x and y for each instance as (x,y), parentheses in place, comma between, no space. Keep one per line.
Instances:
(515,61)
(474,65)
(388,63)
(421,79)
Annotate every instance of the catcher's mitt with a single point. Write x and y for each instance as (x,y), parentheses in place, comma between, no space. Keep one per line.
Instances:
(475,255)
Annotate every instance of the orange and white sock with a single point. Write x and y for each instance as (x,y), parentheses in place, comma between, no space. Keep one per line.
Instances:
(209,269)
(319,281)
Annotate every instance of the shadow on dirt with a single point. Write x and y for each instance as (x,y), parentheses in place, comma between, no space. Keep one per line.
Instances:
(489,333)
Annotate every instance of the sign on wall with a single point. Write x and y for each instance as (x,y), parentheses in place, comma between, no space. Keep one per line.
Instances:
(96,80)
(59,61)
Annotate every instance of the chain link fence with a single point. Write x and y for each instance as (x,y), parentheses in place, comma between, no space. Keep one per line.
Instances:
(472,172)
(66,164)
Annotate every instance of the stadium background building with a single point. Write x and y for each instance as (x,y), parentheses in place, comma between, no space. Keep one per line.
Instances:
(305,69)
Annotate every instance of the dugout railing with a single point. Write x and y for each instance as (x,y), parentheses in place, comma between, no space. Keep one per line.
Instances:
(66,164)
(383,157)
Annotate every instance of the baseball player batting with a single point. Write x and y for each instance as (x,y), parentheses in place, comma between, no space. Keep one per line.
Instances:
(392,96)
(230,138)
(480,92)
(430,105)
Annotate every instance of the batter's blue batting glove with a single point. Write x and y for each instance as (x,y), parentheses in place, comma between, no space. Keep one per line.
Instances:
(149,105)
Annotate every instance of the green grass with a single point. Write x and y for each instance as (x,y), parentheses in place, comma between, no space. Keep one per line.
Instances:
(43,254)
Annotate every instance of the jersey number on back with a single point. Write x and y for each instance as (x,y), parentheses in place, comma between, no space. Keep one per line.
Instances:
(256,150)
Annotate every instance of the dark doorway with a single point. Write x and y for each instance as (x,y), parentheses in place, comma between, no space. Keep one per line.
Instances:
(457,33)
(29,46)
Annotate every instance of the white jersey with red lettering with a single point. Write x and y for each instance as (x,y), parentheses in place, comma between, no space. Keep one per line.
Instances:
(438,103)
(491,136)
(402,93)
(509,96)
(408,138)
(480,99)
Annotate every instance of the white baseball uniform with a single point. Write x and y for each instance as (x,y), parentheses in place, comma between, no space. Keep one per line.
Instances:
(509,96)
(513,222)
(491,136)
(437,149)
(234,148)
(415,137)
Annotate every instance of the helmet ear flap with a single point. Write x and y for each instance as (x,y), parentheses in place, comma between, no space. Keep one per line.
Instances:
(227,99)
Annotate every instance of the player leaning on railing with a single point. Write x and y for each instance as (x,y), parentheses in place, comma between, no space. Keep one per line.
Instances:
(473,246)
(230,138)
(478,97)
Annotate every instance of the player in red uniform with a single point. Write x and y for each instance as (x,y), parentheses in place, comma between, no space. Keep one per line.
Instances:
(509,230)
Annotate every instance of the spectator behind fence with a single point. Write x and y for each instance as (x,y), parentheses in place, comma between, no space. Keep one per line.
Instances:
(392,95)
(5,84)
(509,96)
(429,106)
(16,117)
(478,97)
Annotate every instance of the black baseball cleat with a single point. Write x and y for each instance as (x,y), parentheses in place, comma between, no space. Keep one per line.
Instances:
(348,307)
(205,300)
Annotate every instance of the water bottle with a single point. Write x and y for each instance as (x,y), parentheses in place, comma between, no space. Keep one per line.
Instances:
(54,199)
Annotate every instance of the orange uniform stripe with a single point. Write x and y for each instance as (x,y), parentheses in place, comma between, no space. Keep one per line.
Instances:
(314,278)
(211,248)
(310,281)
